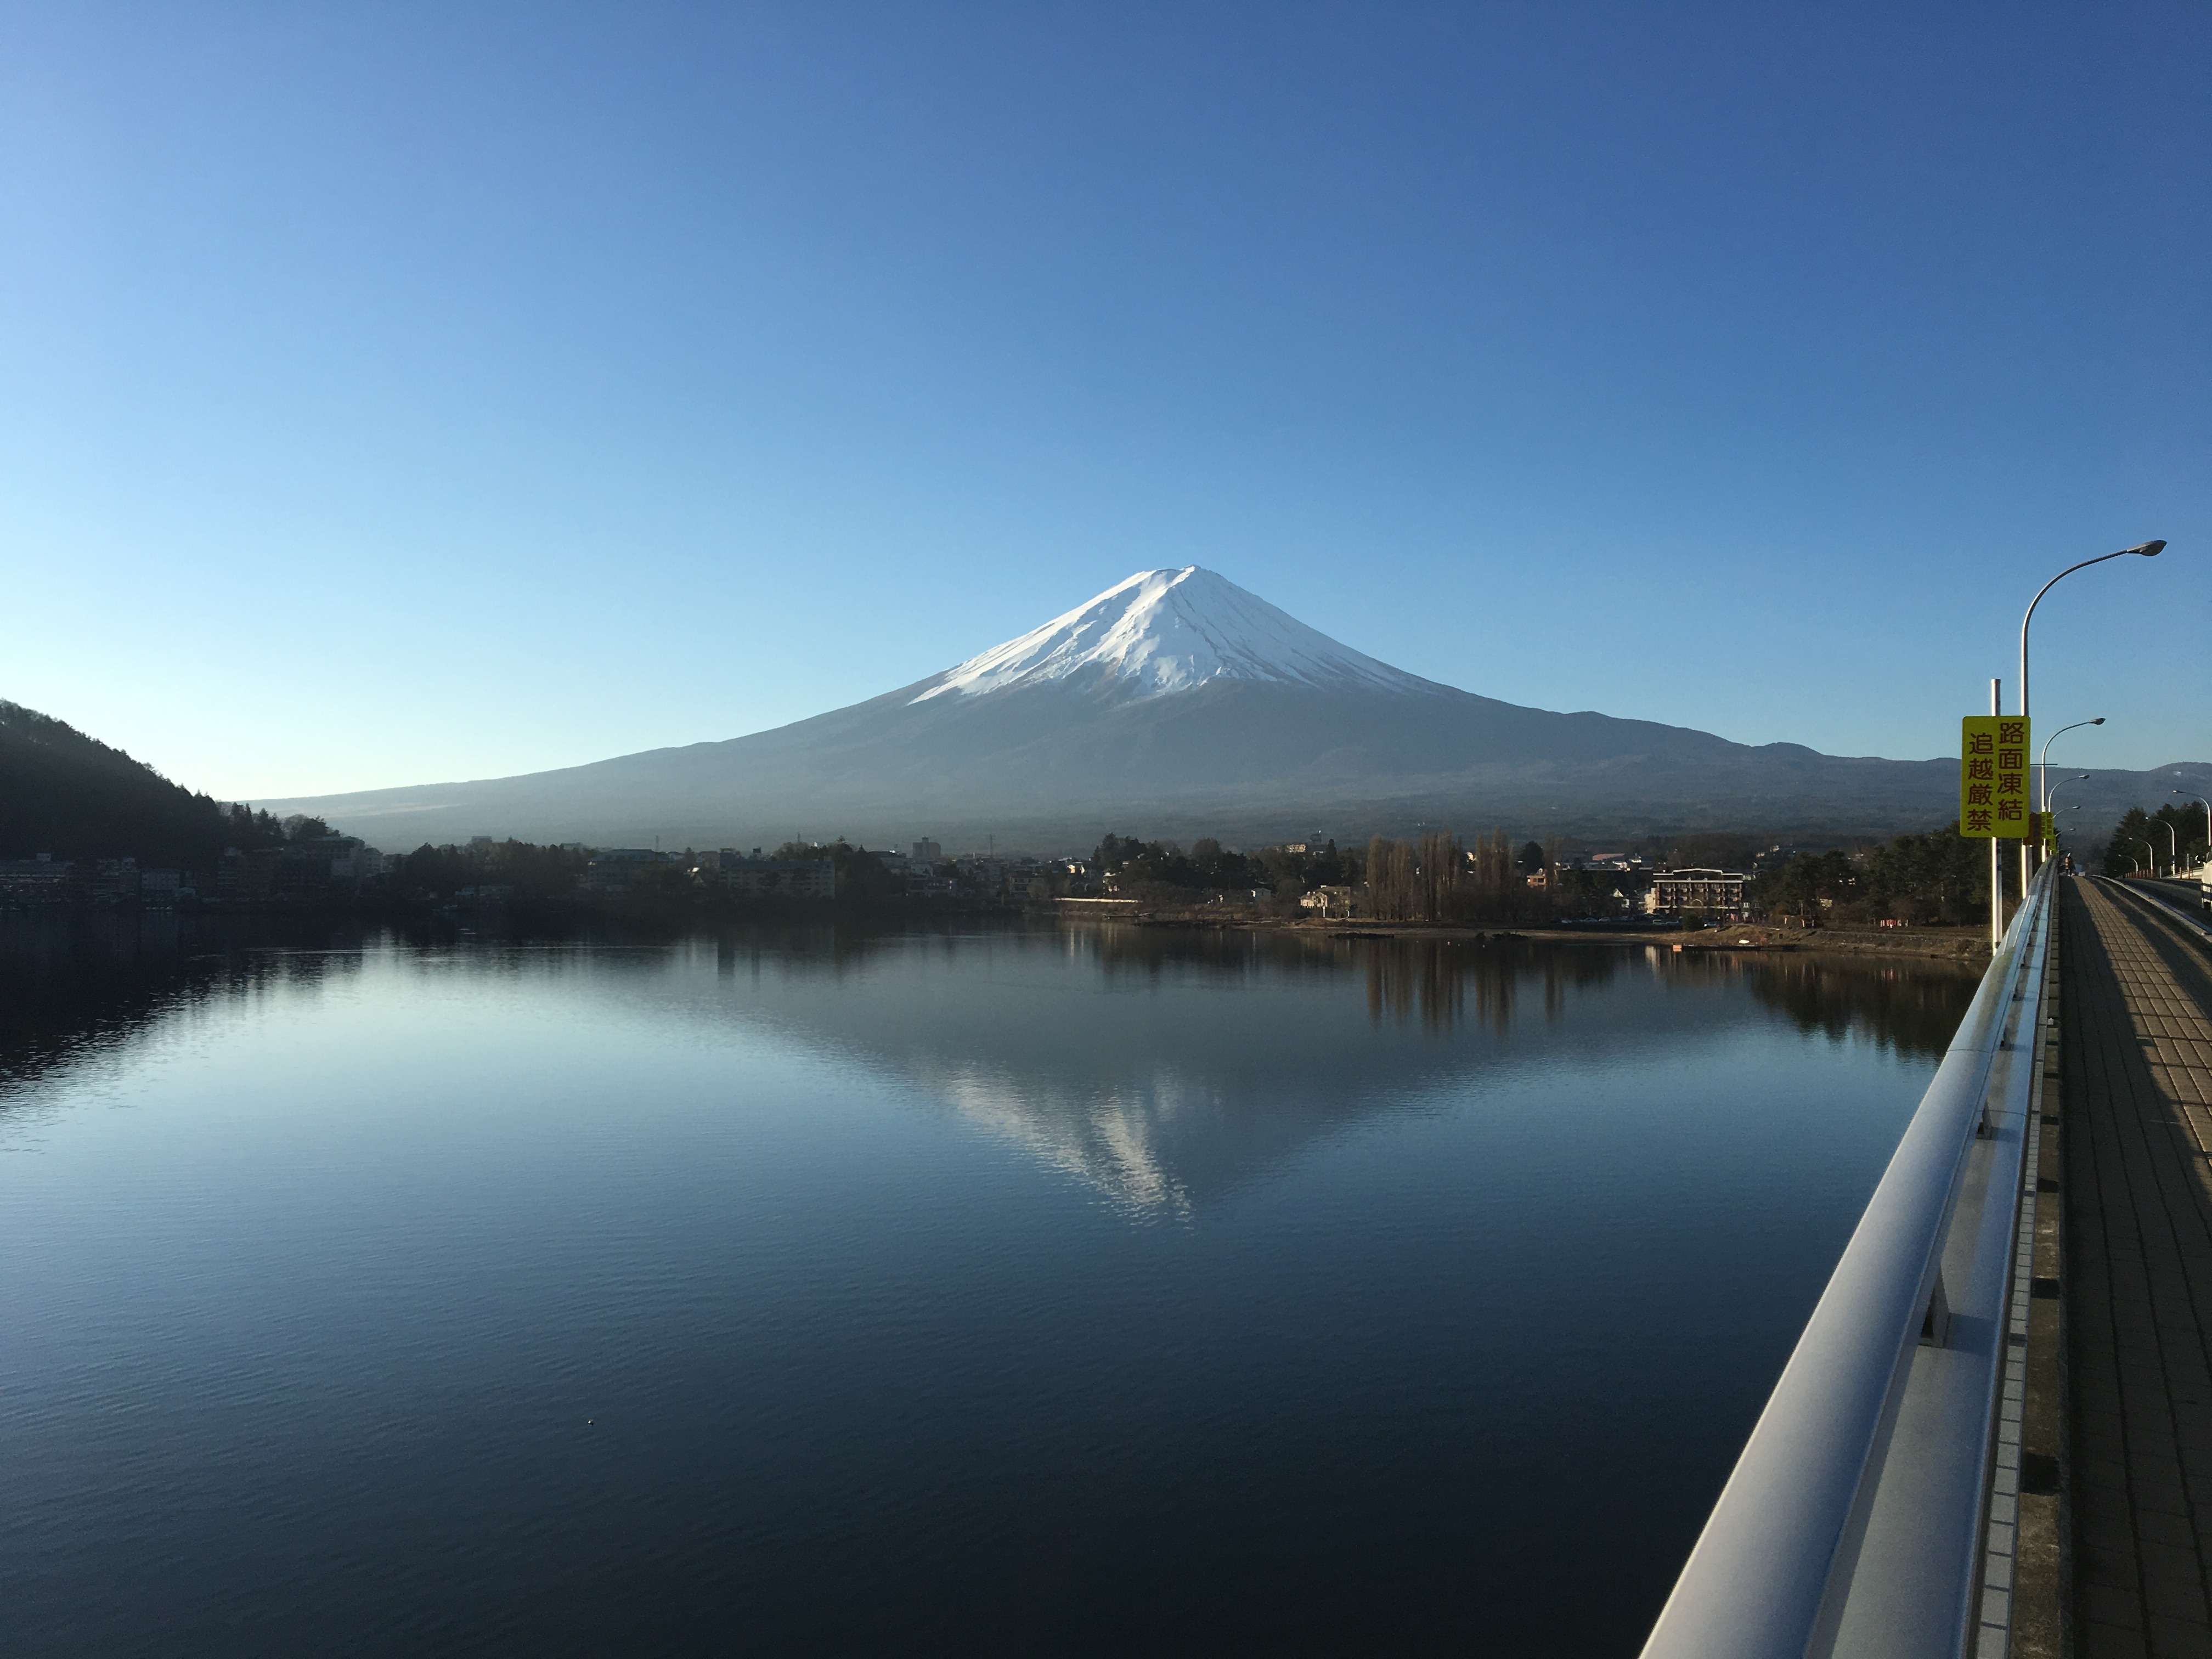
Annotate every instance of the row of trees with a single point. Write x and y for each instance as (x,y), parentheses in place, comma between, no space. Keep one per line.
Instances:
(1138,865)
(535,872)
(2175,833)
(1164,864)
(1936,877)
(1941,877)
(553,873)
(860,874)
(1438,878)
(1434,877)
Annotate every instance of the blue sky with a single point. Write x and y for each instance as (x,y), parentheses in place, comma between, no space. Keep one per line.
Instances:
(396,393)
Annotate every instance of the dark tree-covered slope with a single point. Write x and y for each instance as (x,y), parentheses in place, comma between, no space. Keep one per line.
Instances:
(65,793)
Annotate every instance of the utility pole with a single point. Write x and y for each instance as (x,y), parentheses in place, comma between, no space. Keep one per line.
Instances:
(1997,849)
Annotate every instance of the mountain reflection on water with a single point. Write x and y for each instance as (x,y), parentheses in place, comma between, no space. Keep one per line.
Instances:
(1090,1291)
(75,987)
(1136,1058)
(1154,1098)
(1912,1008)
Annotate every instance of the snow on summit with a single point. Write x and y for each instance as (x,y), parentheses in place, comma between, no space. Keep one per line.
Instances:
(1162,631)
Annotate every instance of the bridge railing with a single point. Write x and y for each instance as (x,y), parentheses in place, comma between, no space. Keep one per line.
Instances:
(2173,899)
(1855,1521)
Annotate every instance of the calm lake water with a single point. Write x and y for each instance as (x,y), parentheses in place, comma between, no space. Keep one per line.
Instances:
(1022,1292)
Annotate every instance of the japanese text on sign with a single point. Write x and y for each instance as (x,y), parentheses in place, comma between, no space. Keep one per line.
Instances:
(1993,793)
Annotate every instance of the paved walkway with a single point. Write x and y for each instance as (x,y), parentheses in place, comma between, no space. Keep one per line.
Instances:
(2136,1004)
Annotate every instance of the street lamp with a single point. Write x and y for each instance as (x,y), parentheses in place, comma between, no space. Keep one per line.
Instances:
(2079,777)
(2043,766)
(2057,834)
(2206,805)
(2173,842)
(2149,550)
(2050,793)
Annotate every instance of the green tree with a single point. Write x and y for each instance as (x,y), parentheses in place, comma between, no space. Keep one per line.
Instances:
(1941,877)
(73,796)
(2153,841)
(1811,885)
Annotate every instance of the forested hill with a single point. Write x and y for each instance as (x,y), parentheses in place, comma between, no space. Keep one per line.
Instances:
(65,793)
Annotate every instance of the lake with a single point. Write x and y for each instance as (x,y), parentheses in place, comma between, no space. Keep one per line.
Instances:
(1016,1290)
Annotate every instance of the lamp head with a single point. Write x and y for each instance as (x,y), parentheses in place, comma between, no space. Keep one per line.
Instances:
(2148,550)
(2099,720)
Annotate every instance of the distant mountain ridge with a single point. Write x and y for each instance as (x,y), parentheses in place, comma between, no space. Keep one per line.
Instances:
(1177,703)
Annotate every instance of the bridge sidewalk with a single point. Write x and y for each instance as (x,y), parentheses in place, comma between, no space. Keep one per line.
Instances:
(2135,1048)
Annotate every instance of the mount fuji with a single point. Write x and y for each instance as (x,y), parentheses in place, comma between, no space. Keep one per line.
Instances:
(1160,632)
(1174,703)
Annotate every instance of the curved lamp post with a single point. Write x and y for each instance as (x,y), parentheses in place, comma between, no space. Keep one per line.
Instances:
(2149,550)
(2206,805)
(2057,834)
(2050,794)
(2173,844)
(2043,766)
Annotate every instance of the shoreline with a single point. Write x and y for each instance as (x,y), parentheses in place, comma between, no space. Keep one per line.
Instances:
(1964,944)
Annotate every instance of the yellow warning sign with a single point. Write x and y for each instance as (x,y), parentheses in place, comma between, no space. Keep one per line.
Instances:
(1993,776)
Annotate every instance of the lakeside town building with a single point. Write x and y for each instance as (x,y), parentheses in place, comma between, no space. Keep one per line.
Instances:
(1334,904)
(41,880)
(1700,893)
(765,877)
(325,864)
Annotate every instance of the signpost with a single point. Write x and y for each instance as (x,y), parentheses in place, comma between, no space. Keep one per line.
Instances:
(1993,793)
(1993,776)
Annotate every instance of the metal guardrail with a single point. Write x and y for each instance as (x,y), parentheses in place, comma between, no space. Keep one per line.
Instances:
(2168,896)
(1854,1522)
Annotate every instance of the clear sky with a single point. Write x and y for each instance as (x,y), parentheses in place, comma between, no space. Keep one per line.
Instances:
(393,393)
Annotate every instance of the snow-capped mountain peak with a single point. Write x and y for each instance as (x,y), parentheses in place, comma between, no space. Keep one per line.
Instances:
(1163,631)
